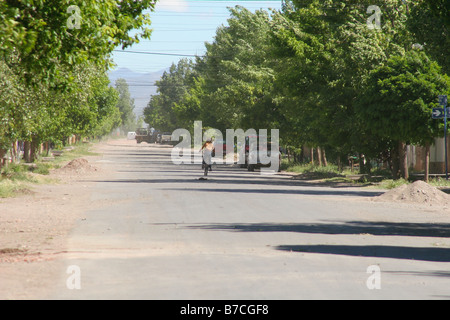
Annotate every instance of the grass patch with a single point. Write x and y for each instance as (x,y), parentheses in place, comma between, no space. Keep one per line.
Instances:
(9,188)
(314,172)
(439,182)
(80,150)
(17,178)
(42,168)
(391,184)
(331,174)
(12,184)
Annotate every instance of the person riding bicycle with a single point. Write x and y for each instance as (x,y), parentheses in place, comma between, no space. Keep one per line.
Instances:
(208,149)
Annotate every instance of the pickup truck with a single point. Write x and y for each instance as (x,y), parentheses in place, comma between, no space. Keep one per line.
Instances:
(144,135)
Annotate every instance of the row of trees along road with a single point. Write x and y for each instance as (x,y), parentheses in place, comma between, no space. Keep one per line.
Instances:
(54,58)
(322,74)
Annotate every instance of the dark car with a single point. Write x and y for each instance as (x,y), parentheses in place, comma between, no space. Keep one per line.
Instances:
(253,158)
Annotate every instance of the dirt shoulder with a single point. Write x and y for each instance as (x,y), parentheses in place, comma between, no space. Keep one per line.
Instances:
(34,227)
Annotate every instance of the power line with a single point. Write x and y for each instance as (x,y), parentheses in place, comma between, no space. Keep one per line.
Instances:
(182,30)
(159,53)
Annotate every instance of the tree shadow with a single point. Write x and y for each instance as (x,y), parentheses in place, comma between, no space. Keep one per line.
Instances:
(394,252)
(436,254)
(347,228)
(245,183)
(436,273)
(317,192)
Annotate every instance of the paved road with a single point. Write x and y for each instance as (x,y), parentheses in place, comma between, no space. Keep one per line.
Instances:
(164,234)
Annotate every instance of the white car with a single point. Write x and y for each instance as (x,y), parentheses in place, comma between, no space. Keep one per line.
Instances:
(166,137)
(131,135)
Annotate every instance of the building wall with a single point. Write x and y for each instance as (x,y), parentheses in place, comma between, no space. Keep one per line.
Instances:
(416,157)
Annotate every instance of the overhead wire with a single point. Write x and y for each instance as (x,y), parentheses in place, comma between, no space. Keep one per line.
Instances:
(195,4)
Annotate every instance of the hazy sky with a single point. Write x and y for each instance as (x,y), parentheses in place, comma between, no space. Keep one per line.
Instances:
(181,27)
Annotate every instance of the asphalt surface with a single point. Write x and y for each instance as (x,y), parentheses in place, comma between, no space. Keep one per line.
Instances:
(165,234)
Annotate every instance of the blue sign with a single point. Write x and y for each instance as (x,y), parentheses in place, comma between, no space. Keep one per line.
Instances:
(439,113)
(443,100)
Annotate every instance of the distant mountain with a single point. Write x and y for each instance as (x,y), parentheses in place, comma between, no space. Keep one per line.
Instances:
(141,85)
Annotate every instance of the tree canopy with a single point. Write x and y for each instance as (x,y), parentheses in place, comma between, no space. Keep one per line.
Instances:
(330,74)
(54,58)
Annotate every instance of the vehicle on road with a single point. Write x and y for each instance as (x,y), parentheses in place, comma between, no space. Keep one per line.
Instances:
(253,158)
(164,138)
(131,135)
(142,135)
(145,135)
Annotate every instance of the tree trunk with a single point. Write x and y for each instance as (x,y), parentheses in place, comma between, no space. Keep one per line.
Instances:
(34,150)
(403,160)
(26,151)
(2,154)
(395,162)
(312,155)
(14,151)
(427,162)
(319,156)
(324,158)
(362,165)
(47,148)
(301,156)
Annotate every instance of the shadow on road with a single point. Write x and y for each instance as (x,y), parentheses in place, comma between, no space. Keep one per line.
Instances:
(232,180)
(320,192)
(192,185)
(395,252)
(348,228)
(436,254)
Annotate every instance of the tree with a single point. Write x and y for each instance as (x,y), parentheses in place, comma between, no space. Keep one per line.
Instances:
(238,73)
(430,24)
(163,110)
(48,33)
(54,56)
(105,100)
(397,103)
(325,50)
(125,105)
(12,104)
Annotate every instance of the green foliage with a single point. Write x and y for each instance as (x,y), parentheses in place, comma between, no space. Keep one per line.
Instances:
(164,110)
(125,104)
(53,80)
(392,184)
(41,34)
(317,71)
(230,87)
(403,92)
(430,24)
